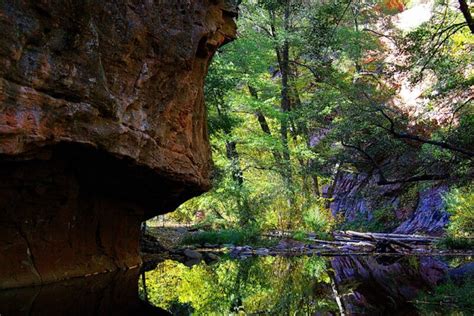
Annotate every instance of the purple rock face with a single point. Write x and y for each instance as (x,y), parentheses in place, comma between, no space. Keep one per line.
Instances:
(383,287)
(357,196)
(430,216)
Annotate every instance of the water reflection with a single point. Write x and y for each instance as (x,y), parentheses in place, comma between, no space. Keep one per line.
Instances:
(344,285)
(274,285)
(112,293)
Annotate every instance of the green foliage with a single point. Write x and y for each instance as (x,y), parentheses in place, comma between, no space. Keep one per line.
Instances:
(382,220)
(318,219)
(460,243)
(299,235)
(347,71)
(448,298)
(460,232)
(460,204)
(226,236)
(243,287)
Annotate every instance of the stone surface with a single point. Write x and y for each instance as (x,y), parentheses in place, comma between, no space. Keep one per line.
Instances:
(430,215)
(192,254)
(357,196)
(212,256)
(102,125)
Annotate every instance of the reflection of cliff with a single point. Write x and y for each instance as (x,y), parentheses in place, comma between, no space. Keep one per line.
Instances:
(106,294)
(369,285)
(102,125)
(414,209)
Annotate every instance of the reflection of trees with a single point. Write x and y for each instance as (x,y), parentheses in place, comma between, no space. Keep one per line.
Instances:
(145,292)
(267,285)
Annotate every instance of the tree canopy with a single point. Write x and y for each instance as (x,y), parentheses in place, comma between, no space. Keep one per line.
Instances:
(311,89)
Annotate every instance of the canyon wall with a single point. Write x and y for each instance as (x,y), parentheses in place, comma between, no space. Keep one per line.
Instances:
(403,207)
(102,125)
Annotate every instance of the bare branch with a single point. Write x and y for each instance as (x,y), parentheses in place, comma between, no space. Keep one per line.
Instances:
(405,135)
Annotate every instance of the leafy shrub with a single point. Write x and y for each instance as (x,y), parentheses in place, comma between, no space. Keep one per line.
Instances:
(383,220)
(299,235)
(318,219)
(460,204)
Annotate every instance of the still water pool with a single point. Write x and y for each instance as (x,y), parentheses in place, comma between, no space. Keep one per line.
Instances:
(341,285)
(306,285)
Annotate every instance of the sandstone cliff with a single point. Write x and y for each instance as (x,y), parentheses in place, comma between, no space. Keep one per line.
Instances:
(102,125)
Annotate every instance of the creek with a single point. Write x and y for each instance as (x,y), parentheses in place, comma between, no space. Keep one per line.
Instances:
(263,285)
(301,285)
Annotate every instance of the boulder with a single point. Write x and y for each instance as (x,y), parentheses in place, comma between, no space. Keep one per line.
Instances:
(192,254)
(210,256)
(262,251)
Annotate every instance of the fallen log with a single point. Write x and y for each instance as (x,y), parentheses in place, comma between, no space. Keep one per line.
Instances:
(374,242)
(342,243)
(349,235)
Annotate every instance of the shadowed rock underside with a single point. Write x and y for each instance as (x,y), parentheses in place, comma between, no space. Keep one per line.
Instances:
(102,125)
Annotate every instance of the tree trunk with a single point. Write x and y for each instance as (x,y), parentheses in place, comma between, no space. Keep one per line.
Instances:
(464,7)
(237,175)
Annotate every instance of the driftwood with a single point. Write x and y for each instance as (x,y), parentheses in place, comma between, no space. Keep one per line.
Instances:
(374,236)
(368,242)
(387,242)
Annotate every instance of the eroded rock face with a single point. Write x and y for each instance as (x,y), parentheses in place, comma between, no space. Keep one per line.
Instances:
(415,209)
(102,125)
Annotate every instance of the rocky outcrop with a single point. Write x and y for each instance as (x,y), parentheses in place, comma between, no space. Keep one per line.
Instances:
(430,215)
(358,195)
(412,208)
(102,125)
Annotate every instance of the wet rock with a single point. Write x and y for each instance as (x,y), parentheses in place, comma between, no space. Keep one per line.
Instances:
(192,254)
(192,262)
(212,256)
(262,251)
(238,251)
(384,288)
(350,248)
(289,243)
(101,294)
(179,257)
(102,125)
(150,244)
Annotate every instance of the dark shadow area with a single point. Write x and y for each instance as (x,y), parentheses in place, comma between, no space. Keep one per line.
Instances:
(103,294)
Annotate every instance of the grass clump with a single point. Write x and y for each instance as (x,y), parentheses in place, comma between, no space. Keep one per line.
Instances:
(459,243)
(225,236)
